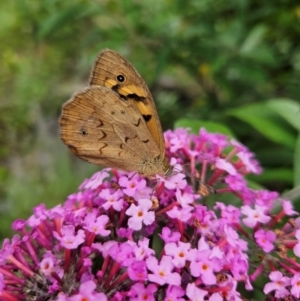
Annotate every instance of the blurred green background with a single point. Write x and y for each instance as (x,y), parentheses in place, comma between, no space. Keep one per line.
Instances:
(234,63)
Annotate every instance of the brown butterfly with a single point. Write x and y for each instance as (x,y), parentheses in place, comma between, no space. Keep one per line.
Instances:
(114,121)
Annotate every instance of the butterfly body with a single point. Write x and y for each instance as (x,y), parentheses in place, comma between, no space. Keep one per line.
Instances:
(114,121)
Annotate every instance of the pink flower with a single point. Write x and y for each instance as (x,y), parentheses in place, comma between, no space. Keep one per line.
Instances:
(203,266)
(229,213)
(234,239)
(182,246)
(288,207)
(162,273)
(176,180)
(140,214)
(183,214)
(47,266)
(265,198)
(140,292)
(184,198)
(137,271)
(177,140)
(112,199)
(174,293)
(142,250)
(248,162)
(225,165)
(132,183)
(40,214)
(254,216)
(278,284)
(69,239)
(87,293)
(236,182)
(295,283)
(96,224)
(265,239)
(169,236)
(195,293)
(122,253)
(179,252)
(96,180)
(296,248)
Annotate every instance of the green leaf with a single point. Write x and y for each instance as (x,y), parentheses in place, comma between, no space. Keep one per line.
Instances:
(265,122)
(288,109)
(195,125)
(274,174)
(263,55)
(292,194)
(252,182)
(253,39)
(297,162)
(255,49)
(63,17)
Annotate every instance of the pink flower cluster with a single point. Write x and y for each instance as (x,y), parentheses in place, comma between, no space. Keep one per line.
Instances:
(124,237)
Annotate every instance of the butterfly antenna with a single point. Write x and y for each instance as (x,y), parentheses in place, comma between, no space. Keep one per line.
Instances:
(199,183)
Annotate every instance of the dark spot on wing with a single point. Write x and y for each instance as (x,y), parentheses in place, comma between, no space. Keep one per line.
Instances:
(138,122)
(132,96)
(84,132)
(103,135)
(147,117)
(127,138)
(116,88)
(101,148)
(121,78)
(136,97)
(100,123)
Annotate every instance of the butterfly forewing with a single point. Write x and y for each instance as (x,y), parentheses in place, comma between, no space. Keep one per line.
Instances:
(113,71)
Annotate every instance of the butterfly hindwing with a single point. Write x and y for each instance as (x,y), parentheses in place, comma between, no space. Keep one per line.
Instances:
(101,128)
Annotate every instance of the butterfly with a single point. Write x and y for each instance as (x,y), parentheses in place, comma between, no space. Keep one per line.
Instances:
(114,121)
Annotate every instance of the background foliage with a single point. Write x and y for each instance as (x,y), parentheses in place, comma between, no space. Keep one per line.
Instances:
(229,65)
